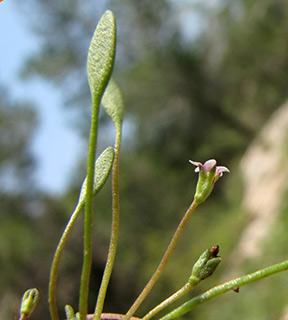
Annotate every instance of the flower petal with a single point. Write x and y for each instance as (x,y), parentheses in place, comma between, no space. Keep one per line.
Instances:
(197,164)
(221,169)
(209,165)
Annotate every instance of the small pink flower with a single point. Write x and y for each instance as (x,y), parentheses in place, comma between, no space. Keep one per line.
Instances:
(209,173)
(208,166)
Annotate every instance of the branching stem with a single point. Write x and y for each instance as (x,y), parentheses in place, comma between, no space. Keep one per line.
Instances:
(177,295)
(163,262)
(227,286)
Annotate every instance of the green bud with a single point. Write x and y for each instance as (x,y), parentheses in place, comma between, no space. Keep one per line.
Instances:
(209,268)
(205,265)
(199,264)
(70,315)
(29,301)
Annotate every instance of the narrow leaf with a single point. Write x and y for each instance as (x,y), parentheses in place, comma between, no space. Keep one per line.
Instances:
(101,55)
(103,167)
(113,103)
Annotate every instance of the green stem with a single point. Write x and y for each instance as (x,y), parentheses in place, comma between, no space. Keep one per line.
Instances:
(177,295)
(227,286)
(56,261)
(114,229)
(87,253)
(163,262)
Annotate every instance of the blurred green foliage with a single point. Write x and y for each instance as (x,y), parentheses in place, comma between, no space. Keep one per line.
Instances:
(187,97)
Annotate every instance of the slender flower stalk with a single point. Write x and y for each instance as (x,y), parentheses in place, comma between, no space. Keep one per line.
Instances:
(225,287)
(209,173)
(115,227)
(163,262)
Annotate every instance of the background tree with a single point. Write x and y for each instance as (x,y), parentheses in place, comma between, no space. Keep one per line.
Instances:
(17,123)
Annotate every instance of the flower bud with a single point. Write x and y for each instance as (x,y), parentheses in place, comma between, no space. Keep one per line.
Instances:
(29,301)
(209,268)
(70,315)
(205,265)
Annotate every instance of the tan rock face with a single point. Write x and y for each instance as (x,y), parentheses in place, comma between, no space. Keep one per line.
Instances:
(265,172)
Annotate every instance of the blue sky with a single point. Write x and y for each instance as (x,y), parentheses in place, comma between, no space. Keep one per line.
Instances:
(55,146)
